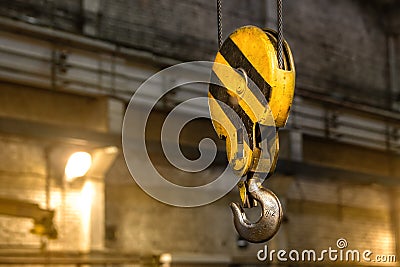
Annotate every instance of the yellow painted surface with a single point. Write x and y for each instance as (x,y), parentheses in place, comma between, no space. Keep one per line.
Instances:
(258,47)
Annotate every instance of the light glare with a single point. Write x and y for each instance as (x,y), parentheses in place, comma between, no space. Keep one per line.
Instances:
(165,258)
(78,165)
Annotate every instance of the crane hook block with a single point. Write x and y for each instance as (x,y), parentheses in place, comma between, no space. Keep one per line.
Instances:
(246,80)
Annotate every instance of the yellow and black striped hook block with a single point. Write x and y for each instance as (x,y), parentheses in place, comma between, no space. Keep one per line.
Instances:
(247,81)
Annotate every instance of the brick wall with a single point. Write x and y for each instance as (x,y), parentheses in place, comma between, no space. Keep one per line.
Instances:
(24,167)
(319,213)
(180,29)
(318,210)
(23,176)
(26,181)
(340,47)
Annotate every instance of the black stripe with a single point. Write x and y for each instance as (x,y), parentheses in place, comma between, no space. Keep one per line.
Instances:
(232,54)
(220,93)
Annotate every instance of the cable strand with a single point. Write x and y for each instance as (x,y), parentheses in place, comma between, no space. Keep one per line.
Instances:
(280,34)
(219,21)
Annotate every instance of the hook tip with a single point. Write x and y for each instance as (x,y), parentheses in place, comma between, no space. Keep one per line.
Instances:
(237,210)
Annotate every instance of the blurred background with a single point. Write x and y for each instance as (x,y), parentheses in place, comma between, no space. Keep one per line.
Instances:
(68,70)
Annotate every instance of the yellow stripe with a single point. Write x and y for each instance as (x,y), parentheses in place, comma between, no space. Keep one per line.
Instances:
(233,81)
(258,49)
(260,52)
(229,131)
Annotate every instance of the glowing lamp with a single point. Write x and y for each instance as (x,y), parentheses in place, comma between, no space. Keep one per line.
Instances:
(78,165)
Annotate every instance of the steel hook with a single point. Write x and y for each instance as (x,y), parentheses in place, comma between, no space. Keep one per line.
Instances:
(268,224)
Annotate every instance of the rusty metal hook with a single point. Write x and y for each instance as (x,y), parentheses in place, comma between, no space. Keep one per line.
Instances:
(268,224)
